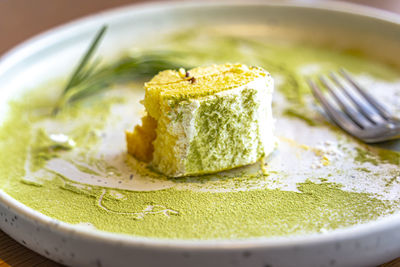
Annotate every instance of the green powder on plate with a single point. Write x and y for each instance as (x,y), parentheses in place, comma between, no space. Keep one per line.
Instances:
(315,205)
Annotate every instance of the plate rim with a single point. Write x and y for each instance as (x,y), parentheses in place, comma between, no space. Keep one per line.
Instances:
(35,43)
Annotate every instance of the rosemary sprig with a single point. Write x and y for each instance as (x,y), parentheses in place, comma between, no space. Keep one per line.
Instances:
(79,74)
(90,78)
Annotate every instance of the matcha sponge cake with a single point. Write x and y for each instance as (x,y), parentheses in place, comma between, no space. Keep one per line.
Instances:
(205,120)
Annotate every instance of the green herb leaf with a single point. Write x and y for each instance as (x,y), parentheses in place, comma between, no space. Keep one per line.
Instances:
(78,74)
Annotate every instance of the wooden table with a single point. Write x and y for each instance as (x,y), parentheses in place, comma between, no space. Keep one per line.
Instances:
(21,19)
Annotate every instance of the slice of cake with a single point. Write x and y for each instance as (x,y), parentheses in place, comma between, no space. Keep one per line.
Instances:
(205,120)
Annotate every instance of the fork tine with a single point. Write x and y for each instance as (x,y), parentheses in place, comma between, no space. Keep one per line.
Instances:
(373,117)
(382,111)
(335,114)
(348,110)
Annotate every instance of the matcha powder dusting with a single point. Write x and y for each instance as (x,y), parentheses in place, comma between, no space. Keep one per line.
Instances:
(186,214)
(258,213)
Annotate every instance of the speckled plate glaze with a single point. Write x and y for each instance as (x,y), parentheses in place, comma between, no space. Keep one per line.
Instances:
(374,32)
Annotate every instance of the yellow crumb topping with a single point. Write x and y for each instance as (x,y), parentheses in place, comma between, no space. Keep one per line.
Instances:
(197,82)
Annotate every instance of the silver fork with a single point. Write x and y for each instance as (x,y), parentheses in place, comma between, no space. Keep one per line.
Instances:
(355,111)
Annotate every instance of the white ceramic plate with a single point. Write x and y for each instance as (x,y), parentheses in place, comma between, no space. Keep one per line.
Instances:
(374,32)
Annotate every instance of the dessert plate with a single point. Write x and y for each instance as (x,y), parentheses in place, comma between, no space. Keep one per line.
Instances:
(321,199)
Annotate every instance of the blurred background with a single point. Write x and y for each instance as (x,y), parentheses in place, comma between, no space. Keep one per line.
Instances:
(21,19)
